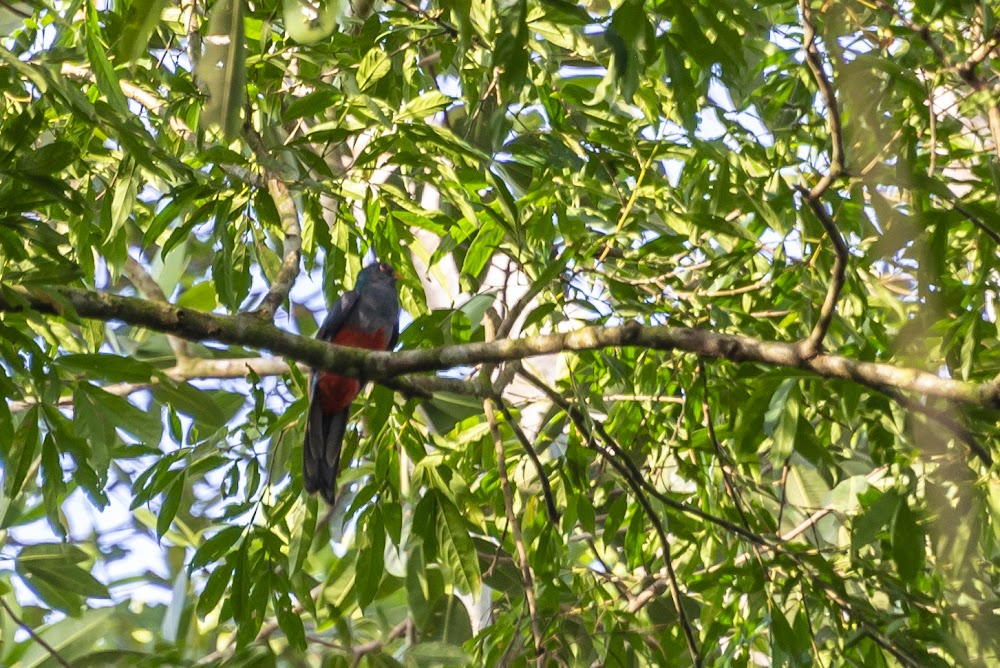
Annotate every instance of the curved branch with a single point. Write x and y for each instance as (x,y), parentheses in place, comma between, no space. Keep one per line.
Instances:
(147,285)
(815,63)
(813,345)
(282,283)
(389,368)
(550,503)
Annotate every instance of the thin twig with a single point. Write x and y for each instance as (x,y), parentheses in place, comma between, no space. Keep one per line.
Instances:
(35,636)
(550,503)
(633,197)
(283,281)
(15,10)
(723,462)
(621,462)
(266,631)
(510,318)
(975,220)
(433,18)
(932,162)
(813,344)
(361,651)
(515,528)
(941,417)
(730,292)
(189,14)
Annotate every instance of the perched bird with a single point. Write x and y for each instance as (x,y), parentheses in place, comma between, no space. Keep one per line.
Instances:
(365,317)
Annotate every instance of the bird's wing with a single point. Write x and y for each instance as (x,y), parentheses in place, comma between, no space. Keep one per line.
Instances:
(394,339)
(338,315)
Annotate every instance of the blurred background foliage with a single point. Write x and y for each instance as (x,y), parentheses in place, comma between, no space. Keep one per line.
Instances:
(573,164)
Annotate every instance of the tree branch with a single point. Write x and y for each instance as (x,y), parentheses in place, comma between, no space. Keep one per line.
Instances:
(35,636)
(515,528)
(621,462)
(147,285)
(815,63)
(282,283)
(237,367)
(550,503)
(361,651)
(813,345)
(132,92)
(388,368)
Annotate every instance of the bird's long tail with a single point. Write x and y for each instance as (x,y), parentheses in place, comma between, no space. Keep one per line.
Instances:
(321,451)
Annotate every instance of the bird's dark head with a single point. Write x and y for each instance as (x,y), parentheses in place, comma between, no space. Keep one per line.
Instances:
(379,273)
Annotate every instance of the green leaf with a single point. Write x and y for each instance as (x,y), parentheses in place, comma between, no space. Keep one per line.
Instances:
(104,410)
(215,587)
(214,548)
(307,25)
(171,502)
(107,80)
(172,619)
(781,422)
(222,68)
(630,35)
(907,543)
(209,409)
(437,654)
(371,560)
(112,368)
(21,455)
(49,159)
(425,105)
(878,515)
(456,546)
(512,52)
(140,20)
(448,622)
(51,571)
(124,191)
(482,249)
(635,537)
(289,620)
(372,68)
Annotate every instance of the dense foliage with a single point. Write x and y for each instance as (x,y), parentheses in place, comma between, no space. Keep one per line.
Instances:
(814,173)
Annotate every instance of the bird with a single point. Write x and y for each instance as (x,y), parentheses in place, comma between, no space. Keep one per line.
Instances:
(365,317)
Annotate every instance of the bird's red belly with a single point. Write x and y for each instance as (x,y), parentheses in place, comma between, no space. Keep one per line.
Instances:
(335,392)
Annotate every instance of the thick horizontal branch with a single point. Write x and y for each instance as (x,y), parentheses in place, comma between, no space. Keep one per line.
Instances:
(243,330)
(389,368)
(701,342)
